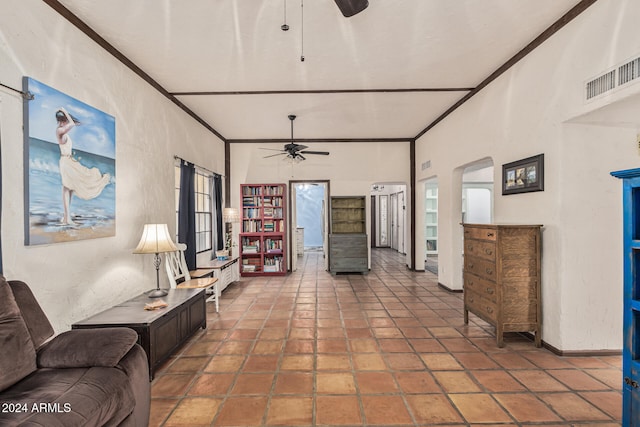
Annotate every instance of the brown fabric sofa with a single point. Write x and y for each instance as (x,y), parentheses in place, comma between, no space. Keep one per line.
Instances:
(89,377)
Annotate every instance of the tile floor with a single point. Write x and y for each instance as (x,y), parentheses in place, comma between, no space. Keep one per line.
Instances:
(386,348)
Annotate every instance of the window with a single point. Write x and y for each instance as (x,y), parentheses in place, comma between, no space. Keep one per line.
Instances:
(203,207)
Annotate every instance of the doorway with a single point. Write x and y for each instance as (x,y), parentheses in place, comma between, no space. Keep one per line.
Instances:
(309,220)
(431,225)
(388,216)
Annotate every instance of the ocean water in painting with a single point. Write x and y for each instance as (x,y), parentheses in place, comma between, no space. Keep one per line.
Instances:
(92,218)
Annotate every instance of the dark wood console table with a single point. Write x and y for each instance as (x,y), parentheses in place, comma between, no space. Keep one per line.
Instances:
(160,332)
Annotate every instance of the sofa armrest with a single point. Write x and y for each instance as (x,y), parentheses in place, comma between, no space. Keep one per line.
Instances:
(84,348)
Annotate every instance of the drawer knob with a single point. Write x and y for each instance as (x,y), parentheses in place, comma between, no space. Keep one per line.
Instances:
(488,251)
(470,299)
(490,291)
(489,234)
(489,310)
(470,247)
(489,271)
(470,265)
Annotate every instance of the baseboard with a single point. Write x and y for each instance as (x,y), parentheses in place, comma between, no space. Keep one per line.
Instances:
(574,353)
(448,289)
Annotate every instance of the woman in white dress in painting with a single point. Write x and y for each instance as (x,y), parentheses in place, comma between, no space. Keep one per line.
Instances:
(86,183)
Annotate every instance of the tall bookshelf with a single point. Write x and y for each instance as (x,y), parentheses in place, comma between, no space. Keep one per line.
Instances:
(263,234)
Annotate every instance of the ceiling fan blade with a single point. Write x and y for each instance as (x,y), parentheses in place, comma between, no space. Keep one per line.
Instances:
(271,149)
(351,7)
(323,153)
(273,155)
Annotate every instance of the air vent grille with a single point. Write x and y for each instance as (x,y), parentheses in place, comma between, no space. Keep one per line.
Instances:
(618,76)
(426,165)
(601,84)
(629,71)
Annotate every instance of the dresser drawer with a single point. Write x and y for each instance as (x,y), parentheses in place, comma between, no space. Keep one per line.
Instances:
(480,267)
(480,248)
(485,288)
(481,306)
(480,233)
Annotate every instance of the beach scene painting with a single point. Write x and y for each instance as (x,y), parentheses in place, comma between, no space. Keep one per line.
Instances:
(70,168)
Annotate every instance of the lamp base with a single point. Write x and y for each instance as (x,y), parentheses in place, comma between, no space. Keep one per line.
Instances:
(156,293)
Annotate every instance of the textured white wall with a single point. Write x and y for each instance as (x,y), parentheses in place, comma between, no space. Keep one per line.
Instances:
(526,112)
(73,280)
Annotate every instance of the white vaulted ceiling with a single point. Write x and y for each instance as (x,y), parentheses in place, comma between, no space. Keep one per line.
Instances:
(229,62)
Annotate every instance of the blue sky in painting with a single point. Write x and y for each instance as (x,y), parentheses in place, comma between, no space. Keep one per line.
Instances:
(96,134)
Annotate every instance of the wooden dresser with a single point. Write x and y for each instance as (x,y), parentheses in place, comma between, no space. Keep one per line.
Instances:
(502,277)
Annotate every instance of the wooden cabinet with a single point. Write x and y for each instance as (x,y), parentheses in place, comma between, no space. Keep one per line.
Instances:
(502,277)
(263,235)
(348,249)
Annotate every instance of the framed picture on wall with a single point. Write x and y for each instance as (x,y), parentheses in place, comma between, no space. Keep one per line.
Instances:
(523,176)
(70,168)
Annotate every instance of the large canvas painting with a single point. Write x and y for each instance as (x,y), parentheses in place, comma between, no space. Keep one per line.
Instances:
(70,168)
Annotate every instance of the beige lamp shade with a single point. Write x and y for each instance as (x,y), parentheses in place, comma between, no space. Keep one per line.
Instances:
(155,239)
(230,215)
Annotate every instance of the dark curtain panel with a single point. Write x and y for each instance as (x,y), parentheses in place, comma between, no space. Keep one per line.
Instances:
(187,212)
(217,197)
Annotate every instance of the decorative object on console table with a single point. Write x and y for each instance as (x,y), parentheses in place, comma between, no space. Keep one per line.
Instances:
(502,274)
(348,249)
(263,233)
(523,176)
(155,240)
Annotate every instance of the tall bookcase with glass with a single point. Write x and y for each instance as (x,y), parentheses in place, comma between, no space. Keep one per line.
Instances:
(263,235)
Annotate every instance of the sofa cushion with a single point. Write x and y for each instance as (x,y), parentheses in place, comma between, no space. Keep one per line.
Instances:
(37,322)
(83,348)
(69,398)
(18,355)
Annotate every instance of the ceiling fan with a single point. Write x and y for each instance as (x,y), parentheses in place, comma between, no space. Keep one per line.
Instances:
(293,151)
(351,7)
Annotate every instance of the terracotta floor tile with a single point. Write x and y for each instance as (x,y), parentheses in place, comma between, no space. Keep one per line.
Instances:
(433,409)
(456,382)
(475,360)
(417,382)
(160,410)
(244,334)
(338,410)
(497,381)
(538,381)
(404,361)
(368,362)
(456,345)
(234,347)
(170,385)
(333,362)
(273,333)
(610,402)
(387,333)
(297,363)
(225,364)
(295,346)
(325,333)
(194,411)
(576,379)
(294,383)
(290,411)
(363,346)
(261,363)
(253,384)
(526,408)
(375,382)
(545,359)
(188,364)
(394,345)
(331,346)
(610,377)
(479,408)
(242,411)
(572,407)
(440,362)
(302,333)
(211,384)
(512,361)
(385,410)
(427,345)
(335,383)
(268,347)
(444,332)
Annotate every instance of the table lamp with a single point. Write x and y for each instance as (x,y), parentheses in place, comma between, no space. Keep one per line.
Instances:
(155,239)
(229,216)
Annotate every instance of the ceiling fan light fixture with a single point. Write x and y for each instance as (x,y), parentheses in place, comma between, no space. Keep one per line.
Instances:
(351,7)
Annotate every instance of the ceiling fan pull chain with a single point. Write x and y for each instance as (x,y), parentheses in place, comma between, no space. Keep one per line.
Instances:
(302,30)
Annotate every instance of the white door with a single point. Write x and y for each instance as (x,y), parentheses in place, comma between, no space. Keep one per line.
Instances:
(394,221)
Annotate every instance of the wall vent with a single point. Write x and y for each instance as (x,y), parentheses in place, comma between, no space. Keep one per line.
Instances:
(602,84)
(426,165)
(618,76)
(629,71)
